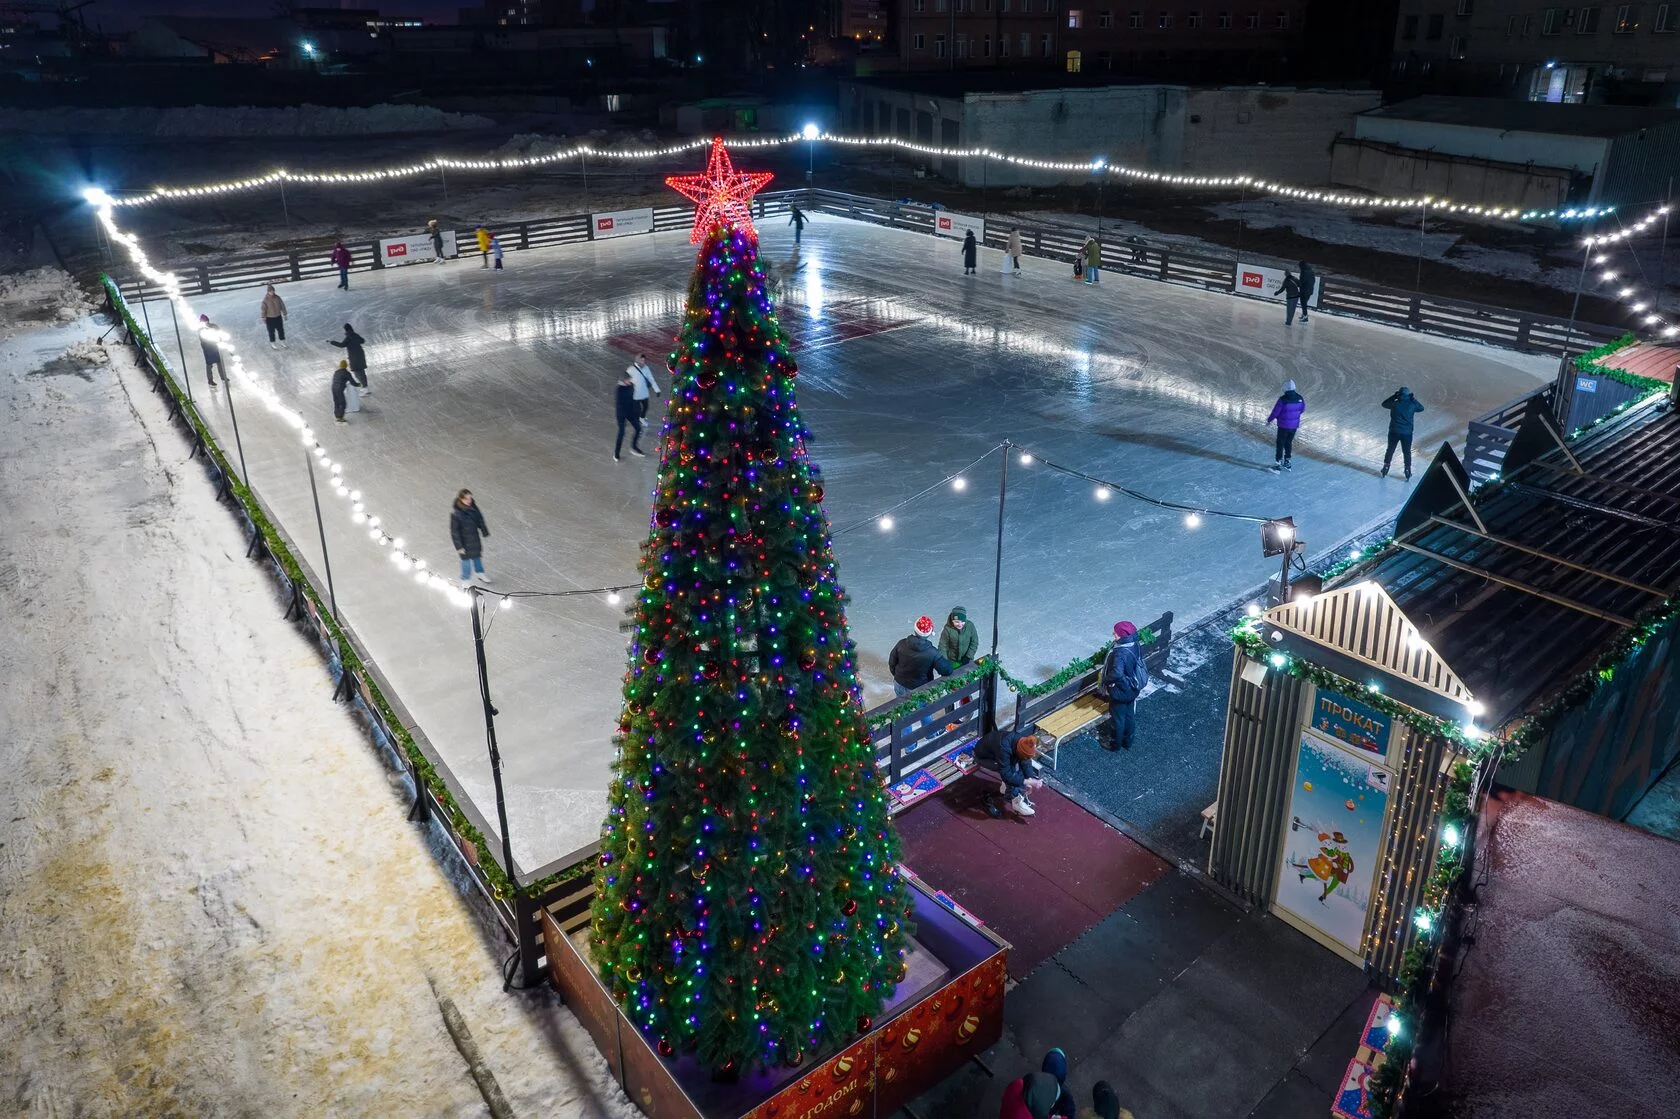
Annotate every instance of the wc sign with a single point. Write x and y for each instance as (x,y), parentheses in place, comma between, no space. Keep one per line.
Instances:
(948,223)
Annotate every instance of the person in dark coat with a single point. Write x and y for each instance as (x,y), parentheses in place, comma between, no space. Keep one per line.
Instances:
(1014,756)
(466,531)
(1106,1102)
(970,251)
(341,260)
(1309,284)
(209,340)
(1055,1064)
(1290,289)
(959,641)
(352,344)
(1402,407)
(341,380)
(914,660)
(796,219)
(1124,676)
(1286,413)
(629,412)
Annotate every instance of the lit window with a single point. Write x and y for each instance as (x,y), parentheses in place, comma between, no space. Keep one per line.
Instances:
(1073,62)
(1627,19)
(1076,18)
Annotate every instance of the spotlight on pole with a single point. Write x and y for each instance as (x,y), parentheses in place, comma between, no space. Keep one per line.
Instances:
(1277,537)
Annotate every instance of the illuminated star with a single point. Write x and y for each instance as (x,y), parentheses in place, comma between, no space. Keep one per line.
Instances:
(722,196)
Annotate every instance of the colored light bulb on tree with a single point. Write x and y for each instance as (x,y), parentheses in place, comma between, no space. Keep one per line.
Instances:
(746,906)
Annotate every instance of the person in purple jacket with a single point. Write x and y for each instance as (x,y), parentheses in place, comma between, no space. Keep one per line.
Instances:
(1287,414)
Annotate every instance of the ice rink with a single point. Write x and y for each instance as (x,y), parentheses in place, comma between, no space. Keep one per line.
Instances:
(502,383)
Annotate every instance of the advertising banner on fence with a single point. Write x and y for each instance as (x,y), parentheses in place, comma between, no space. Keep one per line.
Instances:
(949,223)
(621,223)
(414,250)
(1330,851)
(1262,283)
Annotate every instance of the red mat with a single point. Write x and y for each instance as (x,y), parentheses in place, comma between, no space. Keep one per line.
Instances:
(1037,883)
(1646,360)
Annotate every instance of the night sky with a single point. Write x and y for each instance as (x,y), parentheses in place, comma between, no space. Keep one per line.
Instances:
(121,15)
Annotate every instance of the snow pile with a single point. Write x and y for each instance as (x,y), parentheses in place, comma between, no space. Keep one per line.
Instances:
(208,120)
(529,145)
(87,351)
(210,903)
(41,295)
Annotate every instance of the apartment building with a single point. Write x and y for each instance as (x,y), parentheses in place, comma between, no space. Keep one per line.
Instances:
(1532,51)
(1228,39)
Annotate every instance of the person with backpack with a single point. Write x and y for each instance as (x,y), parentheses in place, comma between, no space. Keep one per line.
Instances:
(352,344)
(1015,758)
(642,383)
(1402,407)
(1286,413)
(1124,676)
(341,260)
(1309,284)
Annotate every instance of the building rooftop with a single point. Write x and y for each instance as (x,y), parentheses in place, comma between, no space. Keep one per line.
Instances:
(1563,1005)
(1567,559)
(1528,116)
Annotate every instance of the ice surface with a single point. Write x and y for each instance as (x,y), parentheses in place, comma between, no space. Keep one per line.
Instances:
(502,382)
(210,903)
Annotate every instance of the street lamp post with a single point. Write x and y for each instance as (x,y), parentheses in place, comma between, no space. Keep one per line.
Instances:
(810,132)
(1099,167)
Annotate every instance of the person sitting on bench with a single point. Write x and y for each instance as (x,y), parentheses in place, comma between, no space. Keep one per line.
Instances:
(1013,755)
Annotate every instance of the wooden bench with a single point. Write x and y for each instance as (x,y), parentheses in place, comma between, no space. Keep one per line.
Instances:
(1210,816)
(1065,722)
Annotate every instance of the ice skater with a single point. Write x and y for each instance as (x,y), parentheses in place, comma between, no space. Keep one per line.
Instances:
(1015,250)
(1093,260)
(1124,676)
(629,412)
(643,382)
(1015,758)
(1286,413)
(1309,282)
(341,260)
(496,252)
(1290,289)
(343,383)
(436,235)
(971,252)
(797,219)
(1402,407)
(274,315)
(466,531)
(483,236)
(209,340)
(352,344)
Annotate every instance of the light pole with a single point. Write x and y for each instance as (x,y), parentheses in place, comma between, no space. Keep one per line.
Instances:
(490,735)
(1099,168)
(810,132)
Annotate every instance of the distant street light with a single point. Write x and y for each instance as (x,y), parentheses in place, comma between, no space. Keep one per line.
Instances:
(810,132)
(308,49)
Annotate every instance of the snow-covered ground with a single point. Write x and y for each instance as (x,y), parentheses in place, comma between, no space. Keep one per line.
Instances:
(210,902)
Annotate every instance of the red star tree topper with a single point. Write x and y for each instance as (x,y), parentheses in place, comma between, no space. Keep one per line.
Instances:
(722,196)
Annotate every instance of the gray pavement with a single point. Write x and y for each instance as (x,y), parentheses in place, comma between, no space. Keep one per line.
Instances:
(501,382)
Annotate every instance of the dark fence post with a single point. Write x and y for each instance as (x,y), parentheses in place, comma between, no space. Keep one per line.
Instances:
(297,272)
(204,279)
(528,928)
(1165,258)
(524,235)
(1524,326)
(988,702)
(1414,313)
(893,773)
(373,249)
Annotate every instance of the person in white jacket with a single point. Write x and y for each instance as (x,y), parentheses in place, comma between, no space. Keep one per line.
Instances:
(641,377)
(274,315)
(1015,249)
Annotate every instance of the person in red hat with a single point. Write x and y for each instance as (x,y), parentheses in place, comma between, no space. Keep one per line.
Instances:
(1124,676)
(914,660)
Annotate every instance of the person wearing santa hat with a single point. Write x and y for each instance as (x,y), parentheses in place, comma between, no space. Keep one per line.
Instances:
(914,660)
(1124,676)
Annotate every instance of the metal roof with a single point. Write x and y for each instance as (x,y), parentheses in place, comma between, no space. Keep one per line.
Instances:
(1503,115)
(1525,590)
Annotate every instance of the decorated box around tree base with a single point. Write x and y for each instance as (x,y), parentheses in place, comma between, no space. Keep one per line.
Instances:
(949,1008)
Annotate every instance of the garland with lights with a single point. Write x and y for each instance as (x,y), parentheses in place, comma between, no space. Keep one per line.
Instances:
(747,908)
(810,135)
(500,885)
(1645,308)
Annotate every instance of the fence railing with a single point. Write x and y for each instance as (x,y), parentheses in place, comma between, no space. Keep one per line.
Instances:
(1451,318)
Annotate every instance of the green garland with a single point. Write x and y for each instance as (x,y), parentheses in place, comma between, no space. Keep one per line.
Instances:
(500,885)
(1070,672)
(939,689)
(1593,356)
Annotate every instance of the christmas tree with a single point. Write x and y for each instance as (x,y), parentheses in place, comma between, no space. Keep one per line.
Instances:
(747,908)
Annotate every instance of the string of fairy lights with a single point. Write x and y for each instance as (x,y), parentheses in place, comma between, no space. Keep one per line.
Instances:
(1642,305)
(810,134)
